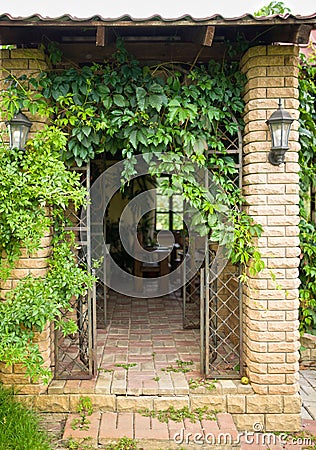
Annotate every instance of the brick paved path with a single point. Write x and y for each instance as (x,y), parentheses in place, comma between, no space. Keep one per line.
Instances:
(151,434)
(149,334)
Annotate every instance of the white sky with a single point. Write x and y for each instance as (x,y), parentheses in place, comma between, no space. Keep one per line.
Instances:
(146,8)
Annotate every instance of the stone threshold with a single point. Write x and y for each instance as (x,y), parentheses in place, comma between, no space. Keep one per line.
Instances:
(168,384)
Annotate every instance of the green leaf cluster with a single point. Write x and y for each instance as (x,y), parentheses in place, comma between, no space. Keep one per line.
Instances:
(273,7)
(35,188)
(122,107)
(181,115)
(34,302)
(31,182)
(20,427)
(307,160)
(178,415)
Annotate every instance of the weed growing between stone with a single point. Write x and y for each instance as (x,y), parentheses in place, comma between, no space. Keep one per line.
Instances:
(84,409)
(177,415)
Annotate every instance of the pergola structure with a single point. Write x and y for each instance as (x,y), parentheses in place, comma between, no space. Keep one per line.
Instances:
(269,315)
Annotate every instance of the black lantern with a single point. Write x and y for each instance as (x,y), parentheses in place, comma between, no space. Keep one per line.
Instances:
(19,128)
(280,124)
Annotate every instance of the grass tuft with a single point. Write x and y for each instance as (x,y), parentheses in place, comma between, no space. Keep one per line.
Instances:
(19,426)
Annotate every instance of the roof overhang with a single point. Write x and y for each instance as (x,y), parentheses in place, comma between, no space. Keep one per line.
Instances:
(153,38)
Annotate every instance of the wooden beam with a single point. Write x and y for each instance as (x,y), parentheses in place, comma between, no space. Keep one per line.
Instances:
(303,33)
(150,52)
(100,38)
(208,36)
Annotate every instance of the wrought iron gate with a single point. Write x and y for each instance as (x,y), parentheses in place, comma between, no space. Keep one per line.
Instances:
(75,353)
(212,299)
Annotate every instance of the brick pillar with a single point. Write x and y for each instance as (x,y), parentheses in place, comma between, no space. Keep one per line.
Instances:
(271,337)
(26,62)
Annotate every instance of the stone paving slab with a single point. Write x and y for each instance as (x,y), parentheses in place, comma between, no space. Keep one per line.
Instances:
(308,393)
(91,431)
(111,426)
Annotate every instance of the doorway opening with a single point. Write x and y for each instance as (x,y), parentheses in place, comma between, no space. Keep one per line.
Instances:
(195,329)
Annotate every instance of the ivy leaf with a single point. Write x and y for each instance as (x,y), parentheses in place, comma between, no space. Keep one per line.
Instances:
(86,130)
(141,136)
(157,101)
(107,102)
(133,138)
(118,99)
(141,97)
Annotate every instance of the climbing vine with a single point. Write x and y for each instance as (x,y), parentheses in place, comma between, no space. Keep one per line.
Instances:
(178,114)
(32,182)
(307,159)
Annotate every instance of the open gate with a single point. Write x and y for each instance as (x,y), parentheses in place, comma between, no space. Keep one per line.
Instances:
(212,299)
(75,353)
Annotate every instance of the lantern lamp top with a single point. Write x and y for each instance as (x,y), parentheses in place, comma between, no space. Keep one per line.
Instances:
(280,115)
(20,119)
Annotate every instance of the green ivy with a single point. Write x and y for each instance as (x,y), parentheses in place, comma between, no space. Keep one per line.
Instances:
(34,302)
(307,160)
(32,182)
(179,114)
(273,7)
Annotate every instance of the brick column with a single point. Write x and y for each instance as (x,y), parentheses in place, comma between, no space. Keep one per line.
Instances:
(26,62)
(271,337)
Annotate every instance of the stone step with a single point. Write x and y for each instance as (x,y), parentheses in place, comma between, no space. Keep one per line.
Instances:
(151,434)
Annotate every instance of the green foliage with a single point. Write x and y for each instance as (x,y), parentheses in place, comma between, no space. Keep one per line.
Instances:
(174,114)
(126,366)
(177,415)
(308,276)
(181,366)
(179,115)
(19,427)
(123,107)
(273,7)
(84,409)
(209,385)
(124,443)
(36,187)
(29,182)
(307,160)
(36,301)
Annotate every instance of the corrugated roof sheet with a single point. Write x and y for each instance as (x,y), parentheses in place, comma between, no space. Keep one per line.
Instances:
(215,19)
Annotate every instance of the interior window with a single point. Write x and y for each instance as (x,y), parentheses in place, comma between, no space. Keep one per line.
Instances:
(169,209)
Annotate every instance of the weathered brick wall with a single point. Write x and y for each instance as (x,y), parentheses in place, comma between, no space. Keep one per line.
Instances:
(25,62)
(271,337)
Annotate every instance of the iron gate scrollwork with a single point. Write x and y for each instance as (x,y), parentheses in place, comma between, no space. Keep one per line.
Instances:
(74,353)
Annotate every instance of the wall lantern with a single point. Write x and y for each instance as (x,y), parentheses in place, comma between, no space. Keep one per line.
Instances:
(19,127)
(280,124)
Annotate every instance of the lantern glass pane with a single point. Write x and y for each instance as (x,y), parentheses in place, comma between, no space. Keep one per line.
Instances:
(16,136)
(276,132)
(285,134)
(24,133)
